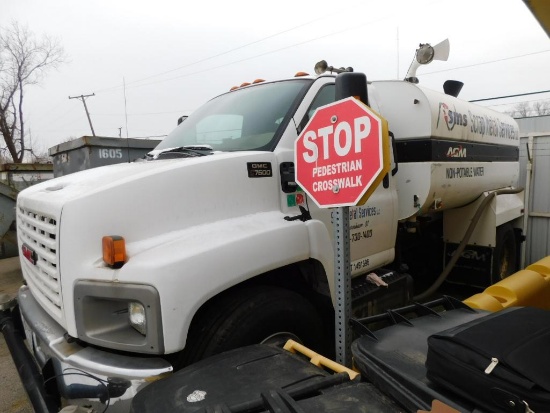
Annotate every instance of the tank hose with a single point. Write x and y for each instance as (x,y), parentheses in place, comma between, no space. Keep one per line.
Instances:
(446,271)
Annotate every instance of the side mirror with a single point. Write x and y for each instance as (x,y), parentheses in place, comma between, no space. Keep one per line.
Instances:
(352,84)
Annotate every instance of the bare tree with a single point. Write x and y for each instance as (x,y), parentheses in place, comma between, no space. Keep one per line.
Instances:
(525,109)
(521,110)
(541,107)
(24,60)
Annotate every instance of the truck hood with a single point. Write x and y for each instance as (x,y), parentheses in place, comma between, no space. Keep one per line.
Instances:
(156,197)
(177,205)
(61,190)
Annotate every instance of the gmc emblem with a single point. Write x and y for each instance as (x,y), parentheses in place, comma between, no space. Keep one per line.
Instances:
(29,254)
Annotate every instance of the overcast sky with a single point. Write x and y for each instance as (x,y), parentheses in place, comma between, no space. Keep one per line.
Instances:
(175,55)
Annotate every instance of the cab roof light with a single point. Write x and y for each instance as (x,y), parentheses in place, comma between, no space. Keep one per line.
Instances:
(246,84)
(114,251)
(300,74)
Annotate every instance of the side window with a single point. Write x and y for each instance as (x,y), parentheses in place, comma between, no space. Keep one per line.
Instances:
(326,95)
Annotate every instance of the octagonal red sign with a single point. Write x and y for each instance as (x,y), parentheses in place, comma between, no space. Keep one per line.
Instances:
(339,155)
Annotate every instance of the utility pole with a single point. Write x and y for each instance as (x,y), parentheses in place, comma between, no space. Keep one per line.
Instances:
(83,99)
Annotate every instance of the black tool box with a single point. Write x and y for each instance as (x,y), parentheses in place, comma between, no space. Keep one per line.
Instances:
(471,360)
(260,378)
(500,361)
(399,372)
(393,358)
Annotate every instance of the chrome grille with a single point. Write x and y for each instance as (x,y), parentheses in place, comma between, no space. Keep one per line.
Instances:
(39,232)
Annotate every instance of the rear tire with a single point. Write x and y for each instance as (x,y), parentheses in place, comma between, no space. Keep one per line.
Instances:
(251,315)
(505,254)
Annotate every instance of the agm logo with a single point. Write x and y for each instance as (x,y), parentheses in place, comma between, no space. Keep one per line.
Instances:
(451,118)
(472,255)
(456,152)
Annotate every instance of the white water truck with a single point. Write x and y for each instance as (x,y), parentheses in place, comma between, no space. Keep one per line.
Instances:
(135,270)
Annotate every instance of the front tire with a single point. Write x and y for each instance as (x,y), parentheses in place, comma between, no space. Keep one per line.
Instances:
(505,254)
(251,315)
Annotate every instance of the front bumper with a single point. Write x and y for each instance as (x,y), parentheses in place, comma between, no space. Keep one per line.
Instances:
(85,372)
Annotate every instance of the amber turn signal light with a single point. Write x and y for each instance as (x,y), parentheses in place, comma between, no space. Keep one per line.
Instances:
(114,251)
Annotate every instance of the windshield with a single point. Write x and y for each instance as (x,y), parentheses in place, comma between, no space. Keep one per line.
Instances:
(251,118)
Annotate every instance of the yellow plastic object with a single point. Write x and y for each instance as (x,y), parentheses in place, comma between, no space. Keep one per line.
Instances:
(317,359)
(541,11)
(439,407)
(526,288)
(386,160)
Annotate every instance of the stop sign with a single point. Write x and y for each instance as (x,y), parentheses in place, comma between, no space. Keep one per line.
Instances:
(342,153)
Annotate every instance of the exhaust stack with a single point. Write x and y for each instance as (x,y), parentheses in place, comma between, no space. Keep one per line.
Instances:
(452,87)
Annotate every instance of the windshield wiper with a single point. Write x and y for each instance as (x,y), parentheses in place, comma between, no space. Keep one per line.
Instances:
(186,151)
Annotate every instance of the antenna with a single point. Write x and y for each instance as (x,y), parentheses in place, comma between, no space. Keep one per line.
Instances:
(426,54)
(397,52)
(125,106)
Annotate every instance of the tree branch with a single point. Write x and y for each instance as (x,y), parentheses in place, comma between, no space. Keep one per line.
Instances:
(24,61)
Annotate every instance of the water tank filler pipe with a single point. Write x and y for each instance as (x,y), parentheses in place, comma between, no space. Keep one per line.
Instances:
(447,270)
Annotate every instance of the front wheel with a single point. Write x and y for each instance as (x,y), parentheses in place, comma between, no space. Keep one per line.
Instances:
(505,254)
(245,316)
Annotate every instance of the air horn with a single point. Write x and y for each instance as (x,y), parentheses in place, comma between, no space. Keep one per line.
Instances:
(322,67)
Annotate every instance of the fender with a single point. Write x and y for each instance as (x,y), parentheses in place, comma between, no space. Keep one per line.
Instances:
(198,263)
(321,249)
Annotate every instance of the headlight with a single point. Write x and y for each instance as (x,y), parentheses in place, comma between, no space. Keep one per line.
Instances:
(119,316)
(138,319)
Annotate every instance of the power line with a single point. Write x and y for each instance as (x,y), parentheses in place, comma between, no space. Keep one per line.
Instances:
(511,96)
(262,54)
(221,54)
(515,103)
(141,113)
(312,40)
(233,50)
(255,56)
(486,63)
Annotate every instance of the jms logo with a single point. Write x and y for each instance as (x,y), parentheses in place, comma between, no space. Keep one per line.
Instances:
(456,152)
(451,118)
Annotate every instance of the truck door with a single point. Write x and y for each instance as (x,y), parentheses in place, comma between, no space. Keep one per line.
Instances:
(373,226)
